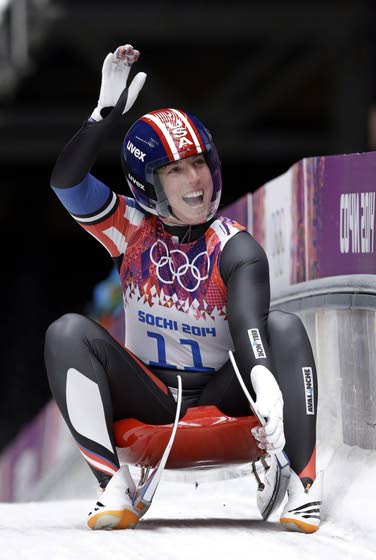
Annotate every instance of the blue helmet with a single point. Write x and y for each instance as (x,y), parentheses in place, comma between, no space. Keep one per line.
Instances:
(159,138)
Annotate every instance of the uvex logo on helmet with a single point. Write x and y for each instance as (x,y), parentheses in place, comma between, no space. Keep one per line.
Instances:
(135,151)
(135,182)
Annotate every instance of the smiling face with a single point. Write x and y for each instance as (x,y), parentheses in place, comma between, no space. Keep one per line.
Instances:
(188,186)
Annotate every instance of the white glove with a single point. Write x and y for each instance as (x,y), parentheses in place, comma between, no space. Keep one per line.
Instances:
(115,71)
(269,404)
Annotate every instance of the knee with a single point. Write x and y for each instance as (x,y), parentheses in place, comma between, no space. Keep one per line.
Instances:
(287,326)
(64,329)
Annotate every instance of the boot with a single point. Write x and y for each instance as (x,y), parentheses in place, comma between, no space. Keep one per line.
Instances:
(302,510)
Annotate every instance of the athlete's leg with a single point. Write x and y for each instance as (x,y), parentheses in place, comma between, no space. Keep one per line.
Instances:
(95,381)
(295,371)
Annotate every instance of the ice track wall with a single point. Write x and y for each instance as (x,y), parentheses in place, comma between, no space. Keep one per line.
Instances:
(339,314)
(317,225)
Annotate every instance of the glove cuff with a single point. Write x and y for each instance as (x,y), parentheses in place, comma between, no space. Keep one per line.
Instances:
(100,113)
(96,114)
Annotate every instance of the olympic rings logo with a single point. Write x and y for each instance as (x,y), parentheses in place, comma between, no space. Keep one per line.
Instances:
(178,270)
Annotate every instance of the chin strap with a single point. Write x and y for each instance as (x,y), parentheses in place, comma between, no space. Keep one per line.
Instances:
(187,233)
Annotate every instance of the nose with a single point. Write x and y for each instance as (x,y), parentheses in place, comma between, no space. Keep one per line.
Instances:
(193,175)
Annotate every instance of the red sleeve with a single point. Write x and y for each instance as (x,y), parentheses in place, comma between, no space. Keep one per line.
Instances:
(114,228)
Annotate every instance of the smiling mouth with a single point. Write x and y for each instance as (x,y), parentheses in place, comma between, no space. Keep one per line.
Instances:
(194,198)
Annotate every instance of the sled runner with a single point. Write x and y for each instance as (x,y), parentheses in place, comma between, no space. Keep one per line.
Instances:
(277,474)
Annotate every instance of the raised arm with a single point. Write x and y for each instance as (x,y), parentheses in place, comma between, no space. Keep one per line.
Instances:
(115,99)
(91,203)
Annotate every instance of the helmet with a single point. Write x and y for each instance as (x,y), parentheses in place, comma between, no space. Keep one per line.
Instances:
(159,138)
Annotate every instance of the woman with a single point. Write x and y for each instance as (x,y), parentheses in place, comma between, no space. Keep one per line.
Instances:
(195,286)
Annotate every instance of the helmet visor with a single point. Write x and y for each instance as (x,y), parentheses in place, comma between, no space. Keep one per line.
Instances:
(157,175)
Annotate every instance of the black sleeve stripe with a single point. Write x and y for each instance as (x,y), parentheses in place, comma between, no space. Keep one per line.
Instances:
(101,214)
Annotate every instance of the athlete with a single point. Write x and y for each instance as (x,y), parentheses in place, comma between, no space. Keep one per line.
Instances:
(195,285)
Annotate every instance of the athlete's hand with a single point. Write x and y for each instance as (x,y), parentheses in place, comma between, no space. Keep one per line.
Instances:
(269,404)
(115,71)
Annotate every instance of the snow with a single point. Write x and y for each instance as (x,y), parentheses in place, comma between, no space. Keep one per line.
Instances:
(218,519)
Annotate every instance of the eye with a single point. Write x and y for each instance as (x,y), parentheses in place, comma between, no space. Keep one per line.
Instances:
(174,169)
(200,161)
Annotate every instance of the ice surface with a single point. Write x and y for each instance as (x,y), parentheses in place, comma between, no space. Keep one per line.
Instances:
(217,520)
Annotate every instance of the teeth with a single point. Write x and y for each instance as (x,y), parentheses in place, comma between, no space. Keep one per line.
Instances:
(194,194)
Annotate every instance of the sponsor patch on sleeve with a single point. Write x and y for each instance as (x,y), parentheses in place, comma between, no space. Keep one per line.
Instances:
(309,390)
(257,346)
